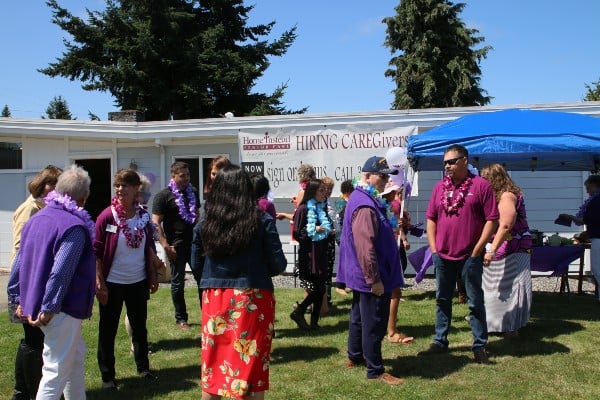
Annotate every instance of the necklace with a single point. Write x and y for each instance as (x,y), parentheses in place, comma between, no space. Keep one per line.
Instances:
(393,220)
(316,212)
(371,191)
(586,204)
(452,208)
(70,206)
(132,241)
(187,214)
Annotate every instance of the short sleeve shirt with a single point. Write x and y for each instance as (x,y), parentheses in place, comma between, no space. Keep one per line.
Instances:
(177,231)
(457,234)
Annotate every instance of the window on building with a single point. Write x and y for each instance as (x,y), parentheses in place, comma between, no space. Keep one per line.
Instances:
(11,155)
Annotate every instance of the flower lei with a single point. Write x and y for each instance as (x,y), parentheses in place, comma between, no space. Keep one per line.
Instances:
(586,203)
(187,214)
(459,199)
(375,194)
(121,219)
(317,211)
(70,206)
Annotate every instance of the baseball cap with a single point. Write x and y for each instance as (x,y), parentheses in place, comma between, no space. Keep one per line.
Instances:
(390,187)
(379,165)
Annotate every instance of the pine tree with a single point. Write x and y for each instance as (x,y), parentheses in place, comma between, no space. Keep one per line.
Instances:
(5,112)
(436,62)
(171,58)
(593,91)
(58,109)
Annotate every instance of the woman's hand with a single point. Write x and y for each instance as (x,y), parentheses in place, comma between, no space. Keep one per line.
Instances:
(171,252)
(487,258)
(101,293)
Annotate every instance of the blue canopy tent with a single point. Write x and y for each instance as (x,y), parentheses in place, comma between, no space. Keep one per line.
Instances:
(519,139)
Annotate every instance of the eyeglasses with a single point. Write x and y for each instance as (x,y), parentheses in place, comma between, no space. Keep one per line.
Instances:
(453,161)
(382,176)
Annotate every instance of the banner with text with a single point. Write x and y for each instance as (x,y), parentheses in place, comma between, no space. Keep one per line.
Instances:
(336,153)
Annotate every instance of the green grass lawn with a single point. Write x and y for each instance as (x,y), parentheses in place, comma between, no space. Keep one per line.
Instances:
(556,356)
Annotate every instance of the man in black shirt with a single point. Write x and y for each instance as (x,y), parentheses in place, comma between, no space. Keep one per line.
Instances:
(175,211)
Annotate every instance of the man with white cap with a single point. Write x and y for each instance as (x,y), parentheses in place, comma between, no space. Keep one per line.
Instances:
(368,265)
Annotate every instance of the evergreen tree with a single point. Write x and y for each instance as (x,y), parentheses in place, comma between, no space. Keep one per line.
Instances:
(5,112)
(93,117)
(593,91)
(171,58)
(58,109)
(435,62)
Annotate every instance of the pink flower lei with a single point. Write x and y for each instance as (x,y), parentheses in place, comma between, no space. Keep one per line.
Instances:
(459,199)
(70,206)
(132,241)
(187,214)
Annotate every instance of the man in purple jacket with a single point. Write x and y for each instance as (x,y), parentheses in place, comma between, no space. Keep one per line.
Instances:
(53,280)
(370,266)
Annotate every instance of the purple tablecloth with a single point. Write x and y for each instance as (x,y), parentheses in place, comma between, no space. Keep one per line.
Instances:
(555,259)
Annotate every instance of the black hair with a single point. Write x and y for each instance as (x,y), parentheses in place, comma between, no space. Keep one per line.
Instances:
(260,184)
(231,214)
(311,190)
(461,150)
(347,187)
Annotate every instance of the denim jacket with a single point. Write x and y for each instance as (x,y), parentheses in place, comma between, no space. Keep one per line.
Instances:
(253,268)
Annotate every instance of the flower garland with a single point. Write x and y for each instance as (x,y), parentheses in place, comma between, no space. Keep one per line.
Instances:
(70,206)
(392,219)
(452,208)
(316,211)
(187,214)
(132,241)
(586,203)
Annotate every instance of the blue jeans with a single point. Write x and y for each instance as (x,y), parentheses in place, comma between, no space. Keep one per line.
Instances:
(368,325)
(445,275)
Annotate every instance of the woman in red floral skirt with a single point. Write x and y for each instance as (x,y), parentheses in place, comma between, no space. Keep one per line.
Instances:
(239,248)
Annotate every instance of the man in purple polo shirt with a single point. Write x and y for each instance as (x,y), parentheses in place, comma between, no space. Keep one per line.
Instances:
(461,217)
(369,265)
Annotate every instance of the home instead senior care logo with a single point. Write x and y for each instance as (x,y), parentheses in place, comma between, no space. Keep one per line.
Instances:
(266,142)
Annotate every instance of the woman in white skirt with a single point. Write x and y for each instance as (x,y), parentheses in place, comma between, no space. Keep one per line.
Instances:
(507,272)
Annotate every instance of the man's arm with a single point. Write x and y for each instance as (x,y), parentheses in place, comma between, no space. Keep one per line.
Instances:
(431,232)
(157,219)
(365,229)
(488,230)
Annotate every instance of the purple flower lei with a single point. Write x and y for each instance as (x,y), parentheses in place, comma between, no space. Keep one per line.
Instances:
(586,203)
(70,206)
(459,201)
(187,214)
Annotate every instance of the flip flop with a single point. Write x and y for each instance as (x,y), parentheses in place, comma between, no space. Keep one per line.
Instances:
(400,338)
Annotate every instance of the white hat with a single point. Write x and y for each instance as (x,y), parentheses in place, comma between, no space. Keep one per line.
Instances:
(390,186)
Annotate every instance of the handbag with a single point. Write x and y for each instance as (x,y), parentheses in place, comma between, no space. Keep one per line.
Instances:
(163,272)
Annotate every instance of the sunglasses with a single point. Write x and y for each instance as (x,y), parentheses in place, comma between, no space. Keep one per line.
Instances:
(453,161)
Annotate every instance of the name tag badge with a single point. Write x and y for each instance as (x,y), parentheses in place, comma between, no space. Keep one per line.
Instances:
(111,228)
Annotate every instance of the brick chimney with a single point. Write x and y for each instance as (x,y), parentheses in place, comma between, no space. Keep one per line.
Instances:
(126,116)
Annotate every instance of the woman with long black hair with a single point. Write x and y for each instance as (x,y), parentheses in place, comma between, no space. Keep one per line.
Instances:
(239,250)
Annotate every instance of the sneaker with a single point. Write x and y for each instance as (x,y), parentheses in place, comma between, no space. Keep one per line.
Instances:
(481,356)
(110,385)
(148,376)
(434,348)
(183,325)
(389,379)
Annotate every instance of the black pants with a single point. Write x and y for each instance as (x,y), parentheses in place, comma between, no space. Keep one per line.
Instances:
(135,297)
(28,363)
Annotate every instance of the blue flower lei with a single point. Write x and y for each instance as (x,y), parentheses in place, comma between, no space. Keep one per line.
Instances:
(375,194)
(316,212)
(187,214)
(70,206)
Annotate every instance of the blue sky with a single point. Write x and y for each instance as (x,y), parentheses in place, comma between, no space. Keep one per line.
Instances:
(545,51)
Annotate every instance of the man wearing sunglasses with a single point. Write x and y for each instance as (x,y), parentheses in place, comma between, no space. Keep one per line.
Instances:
(461,217)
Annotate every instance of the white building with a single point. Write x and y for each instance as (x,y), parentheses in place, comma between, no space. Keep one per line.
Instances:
(103,147)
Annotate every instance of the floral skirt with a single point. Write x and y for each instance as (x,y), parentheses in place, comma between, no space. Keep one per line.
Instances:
(237,331)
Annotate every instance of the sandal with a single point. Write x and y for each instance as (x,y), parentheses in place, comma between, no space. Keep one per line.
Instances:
(400,338)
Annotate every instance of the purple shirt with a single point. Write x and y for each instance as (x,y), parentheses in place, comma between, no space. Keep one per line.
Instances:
(267,206)
(457,234)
